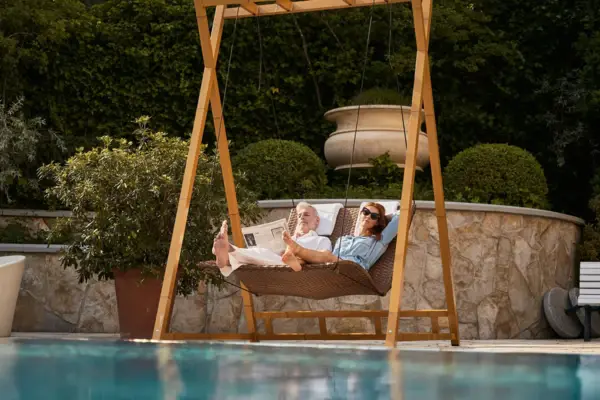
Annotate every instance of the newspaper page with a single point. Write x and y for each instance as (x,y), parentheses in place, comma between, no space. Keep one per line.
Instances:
(266,235)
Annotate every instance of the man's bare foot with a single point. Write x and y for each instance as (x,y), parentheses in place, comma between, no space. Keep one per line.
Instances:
(290,259)
(292,245)
(221,247)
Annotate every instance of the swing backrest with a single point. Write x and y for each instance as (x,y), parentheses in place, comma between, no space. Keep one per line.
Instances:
(381,272)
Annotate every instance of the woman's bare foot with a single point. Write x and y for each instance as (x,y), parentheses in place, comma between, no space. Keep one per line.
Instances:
(292,245)
(221,247)
(290,259)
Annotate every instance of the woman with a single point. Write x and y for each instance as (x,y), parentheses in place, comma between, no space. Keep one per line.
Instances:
(365,249)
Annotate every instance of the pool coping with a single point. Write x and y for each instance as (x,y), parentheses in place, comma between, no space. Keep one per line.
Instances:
(430,205)
(289,203)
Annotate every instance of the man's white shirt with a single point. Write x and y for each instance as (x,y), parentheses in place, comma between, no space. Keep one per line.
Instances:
(313,241)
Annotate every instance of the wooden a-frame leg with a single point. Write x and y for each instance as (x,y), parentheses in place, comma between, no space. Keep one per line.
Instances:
(209,89)
(440,208)
(165,305)
(409,171)
(438,190)
(163,317)
(225,160)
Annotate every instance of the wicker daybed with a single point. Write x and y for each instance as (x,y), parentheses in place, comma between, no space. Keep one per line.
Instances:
(321,281)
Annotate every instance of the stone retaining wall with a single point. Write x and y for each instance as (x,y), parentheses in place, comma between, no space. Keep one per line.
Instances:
(504,259)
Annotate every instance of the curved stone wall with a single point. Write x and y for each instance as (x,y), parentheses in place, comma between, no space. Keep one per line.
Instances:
(502,264)
(503,259)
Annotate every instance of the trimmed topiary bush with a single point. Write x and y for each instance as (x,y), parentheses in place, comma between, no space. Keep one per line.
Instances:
(279,169)
(496,174)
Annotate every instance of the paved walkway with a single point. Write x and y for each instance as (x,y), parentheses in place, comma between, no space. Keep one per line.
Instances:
(496,346)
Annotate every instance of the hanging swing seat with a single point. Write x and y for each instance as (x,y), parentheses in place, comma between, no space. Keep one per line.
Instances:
(321,281)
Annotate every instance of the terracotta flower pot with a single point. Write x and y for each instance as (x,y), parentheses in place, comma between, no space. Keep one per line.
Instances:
(380,128)
(137,303)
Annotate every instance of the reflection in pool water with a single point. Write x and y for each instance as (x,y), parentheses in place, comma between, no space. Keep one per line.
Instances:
(64,370)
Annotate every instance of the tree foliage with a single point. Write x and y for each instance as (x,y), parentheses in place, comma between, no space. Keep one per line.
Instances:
(21,140)
(589,248)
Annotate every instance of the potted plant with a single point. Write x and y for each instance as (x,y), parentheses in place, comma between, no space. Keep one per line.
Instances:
(123,196)
(383,116)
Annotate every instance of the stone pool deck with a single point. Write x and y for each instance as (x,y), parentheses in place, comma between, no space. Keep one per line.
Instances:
(488,346)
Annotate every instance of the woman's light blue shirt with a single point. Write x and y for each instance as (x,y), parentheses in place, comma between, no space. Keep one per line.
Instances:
(366,250)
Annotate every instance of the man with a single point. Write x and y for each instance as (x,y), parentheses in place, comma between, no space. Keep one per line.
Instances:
(230,257)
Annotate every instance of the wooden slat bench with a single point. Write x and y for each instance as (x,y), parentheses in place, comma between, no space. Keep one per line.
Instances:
(589,294)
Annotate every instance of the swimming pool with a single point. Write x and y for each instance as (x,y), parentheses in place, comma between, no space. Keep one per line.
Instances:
(64,369)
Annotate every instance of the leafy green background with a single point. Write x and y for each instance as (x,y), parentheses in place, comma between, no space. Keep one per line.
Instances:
(523,73)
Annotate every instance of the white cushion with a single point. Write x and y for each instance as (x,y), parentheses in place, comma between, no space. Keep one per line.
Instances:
(328,214)
(390,208)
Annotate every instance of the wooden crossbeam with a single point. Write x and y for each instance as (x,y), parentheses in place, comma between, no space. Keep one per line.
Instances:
(287,5)
(250,7)
(407,337)
(376,315)
(301,7)
(349,314)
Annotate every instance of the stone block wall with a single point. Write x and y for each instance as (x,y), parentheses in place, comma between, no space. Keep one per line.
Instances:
(503,262)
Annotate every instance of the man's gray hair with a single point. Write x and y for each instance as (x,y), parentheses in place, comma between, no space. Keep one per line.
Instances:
(304,204)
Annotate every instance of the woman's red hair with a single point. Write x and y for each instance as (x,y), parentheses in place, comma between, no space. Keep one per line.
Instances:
(381,221)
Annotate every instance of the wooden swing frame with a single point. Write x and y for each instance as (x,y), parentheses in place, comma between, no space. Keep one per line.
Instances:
(209,95)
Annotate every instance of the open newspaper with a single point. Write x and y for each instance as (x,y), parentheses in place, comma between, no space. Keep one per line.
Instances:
(266,235)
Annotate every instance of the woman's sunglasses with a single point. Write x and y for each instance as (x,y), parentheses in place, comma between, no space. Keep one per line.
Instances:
(374,216)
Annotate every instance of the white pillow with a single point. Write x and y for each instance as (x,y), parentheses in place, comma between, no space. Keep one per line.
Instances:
(390,208)
(328,214)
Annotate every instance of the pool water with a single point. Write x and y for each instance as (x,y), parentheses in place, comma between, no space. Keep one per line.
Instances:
(64,370)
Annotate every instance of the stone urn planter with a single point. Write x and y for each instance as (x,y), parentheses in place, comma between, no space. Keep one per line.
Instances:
(11,273)
(380,129)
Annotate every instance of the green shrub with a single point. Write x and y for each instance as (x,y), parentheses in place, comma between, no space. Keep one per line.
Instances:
(589,248)
(496,174)
(17,232)
(279,169)
(384,172)
(124,196)
(381,96)
(22,140)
